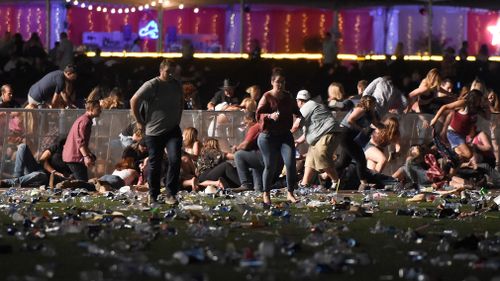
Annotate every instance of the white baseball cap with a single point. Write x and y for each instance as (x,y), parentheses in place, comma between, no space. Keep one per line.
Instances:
(303,95)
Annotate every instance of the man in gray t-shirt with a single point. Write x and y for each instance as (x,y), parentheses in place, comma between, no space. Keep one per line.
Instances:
(162,104)
(319,132)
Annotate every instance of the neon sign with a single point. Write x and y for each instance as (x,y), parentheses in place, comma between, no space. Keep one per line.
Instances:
(150,30)
(495,32)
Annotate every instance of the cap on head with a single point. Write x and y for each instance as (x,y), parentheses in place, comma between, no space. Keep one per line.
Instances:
(303,95)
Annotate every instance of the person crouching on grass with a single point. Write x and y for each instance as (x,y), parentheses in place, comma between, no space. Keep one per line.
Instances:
(76,152)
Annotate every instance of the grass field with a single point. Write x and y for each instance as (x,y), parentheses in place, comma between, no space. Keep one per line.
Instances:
(234,238)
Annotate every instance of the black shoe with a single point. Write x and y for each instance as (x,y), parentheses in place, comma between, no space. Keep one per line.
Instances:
(300,185)
(242,188)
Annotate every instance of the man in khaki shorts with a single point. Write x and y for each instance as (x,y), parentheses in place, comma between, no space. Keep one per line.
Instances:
(319,132)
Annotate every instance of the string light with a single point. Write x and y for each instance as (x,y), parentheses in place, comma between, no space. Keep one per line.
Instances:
(265,44)
(409,40)
(146,39)
(288,19)
(39,20)
(444,23)
(29,18)
(390,43)
(304,28)
(214,23)
(197,25)
(90,21)
(231,27)
(9,27)
(341,30)
(460,28)
(322,20)
(69,16)
(249,31)
(58,23)
(357,31)
(18,28)
(129,9)
(425,27)
(477,25)
(108,23)
(181,6)
(179,24)
(196,10)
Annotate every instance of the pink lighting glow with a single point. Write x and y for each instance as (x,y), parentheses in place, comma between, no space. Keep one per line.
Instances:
(495,33)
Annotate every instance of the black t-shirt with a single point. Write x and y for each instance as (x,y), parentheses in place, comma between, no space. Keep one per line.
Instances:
(44,89)
(10,104)
(220,97)
(55,159)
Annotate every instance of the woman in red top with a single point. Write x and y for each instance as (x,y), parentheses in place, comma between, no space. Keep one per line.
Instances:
(275,114)
(463,120)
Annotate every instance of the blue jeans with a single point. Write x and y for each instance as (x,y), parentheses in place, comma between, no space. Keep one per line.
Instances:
(271,146)
(25,162)
(247,161)
(33,179)
(172,140)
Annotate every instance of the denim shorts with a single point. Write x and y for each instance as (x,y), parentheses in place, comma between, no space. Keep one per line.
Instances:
(455,139)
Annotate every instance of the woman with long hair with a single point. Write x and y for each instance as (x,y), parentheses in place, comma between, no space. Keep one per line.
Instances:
(336,98)
(190,143)
(212,166)
(275,114)
(357,122)
(463,119)
(380,139)
(114,100)
(191,150)
(426,92)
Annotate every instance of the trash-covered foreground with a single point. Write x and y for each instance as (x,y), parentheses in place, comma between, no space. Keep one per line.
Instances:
(72,235)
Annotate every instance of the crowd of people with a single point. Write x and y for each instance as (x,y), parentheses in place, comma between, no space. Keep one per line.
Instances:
(341,152)
(352,151)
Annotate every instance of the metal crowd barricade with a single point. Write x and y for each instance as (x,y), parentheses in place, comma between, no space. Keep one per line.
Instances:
(40,128)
